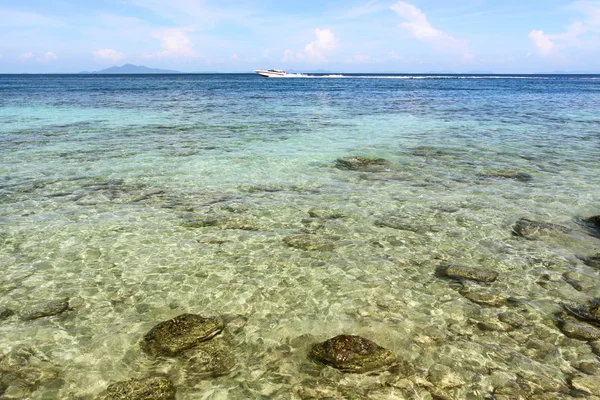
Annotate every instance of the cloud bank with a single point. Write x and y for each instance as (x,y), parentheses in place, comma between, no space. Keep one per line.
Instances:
(107,55)
(317,50)
(420,28)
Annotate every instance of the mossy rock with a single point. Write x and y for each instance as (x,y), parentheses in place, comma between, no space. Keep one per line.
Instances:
(475,274)
(309,242)
(183,332)
(153,388)
(579,330)
(365,164)
(533,230)
(45,309)
(351,353)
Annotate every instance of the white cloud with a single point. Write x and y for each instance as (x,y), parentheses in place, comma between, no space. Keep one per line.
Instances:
(107,55)
(420,28)
(288,55)
(47,57)
(174,43)
(25,56)
(572,37)
(370,7)
(542,42)
(317,50)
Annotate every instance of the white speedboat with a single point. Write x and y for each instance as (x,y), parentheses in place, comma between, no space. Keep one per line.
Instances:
(271,73)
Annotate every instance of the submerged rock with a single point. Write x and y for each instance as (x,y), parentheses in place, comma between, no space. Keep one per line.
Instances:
(402,225)
(350,353)
(579,330)
(364,164)
(209,360)
(183,332)
(587,313)
(533,230)
(326,213)
(309,242)
(476,274)
(444,377)
(513,319)
(595,347)
(154,388)
(517,176)
(593,261)
(23,371)
(587,384)
(245,224)
(45,309)
(595,220)
(484,298)
(5,313)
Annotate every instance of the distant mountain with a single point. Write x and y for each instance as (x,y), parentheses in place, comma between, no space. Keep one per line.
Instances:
(132,69)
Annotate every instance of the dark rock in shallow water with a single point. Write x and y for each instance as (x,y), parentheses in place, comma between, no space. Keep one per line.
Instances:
(579,330)
(476,274)
(532,230)
(364,164)
(350,353)
(517,176)
(484,298)
(595,220)
(309,242)
(593,261)
(595,347)
(589,314)
(183,332)
(402,225)
(209,360)
(513,319)
(154,388)
(590,385)
(245,224)
(5,313)
(45,309)
(326,213)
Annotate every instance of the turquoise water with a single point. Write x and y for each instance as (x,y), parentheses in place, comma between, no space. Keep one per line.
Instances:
(101,176)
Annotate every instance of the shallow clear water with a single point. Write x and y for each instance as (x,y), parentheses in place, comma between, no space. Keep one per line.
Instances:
(100,177)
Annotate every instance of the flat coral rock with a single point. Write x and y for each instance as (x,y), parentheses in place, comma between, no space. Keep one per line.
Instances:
(183,332)
(353,354)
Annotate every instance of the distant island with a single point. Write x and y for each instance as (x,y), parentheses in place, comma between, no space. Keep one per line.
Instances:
(132,69)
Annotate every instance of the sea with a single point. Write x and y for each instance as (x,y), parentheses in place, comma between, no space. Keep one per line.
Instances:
(296,210)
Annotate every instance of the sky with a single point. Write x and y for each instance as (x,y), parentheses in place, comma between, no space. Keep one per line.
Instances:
(419,36)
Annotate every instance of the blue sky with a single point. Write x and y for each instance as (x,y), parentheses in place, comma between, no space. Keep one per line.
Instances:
(508,36)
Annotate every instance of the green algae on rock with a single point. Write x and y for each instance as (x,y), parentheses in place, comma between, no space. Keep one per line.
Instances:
(517,176)
(579,330)
(183,332)
(533,230)
(153,388)
(5,313)
(208,360)
(364,164)
(326,213)
(595,220)
(588,384)
(476,274)
(351,353)
(592,261)
(484,298)
(309,242)
(585,313)
(45,309)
